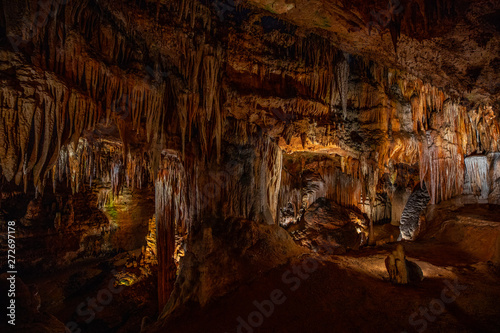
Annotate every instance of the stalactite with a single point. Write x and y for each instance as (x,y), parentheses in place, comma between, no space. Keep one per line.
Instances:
(248,105)
(342,77)
(64,113)
(477,177)
(289,195)
(116,178)
(334,94)
(338,179)
(442,168)
(71,87)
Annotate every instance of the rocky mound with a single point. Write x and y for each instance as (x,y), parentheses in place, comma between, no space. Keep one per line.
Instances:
(329,228)
(224,254)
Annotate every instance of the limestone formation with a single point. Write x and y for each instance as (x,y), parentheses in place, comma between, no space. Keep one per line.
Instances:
(401,270)
(410,224)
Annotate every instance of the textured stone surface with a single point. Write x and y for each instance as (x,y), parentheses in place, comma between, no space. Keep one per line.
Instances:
(472,229)
(327,227)
(318,87)
(225,254)
(494,173)
(450,42)
(412,215)
(56,230)
(401,270)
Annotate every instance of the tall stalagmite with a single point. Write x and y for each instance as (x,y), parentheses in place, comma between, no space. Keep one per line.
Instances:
(171,214)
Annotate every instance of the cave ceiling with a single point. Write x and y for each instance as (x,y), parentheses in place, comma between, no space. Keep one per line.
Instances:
(374,83)
(452,44)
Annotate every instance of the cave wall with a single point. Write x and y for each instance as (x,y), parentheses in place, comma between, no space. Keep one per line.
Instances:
(58,229)
(55,230)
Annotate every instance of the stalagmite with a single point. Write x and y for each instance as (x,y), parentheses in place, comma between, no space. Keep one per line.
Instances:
(171,213)
(401,270)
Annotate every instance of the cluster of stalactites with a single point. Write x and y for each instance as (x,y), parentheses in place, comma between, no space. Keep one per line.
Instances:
(199,105)
(342,77)
(246,184)
(455,133)
(55,114)
(81,164)
(35,127)
(441,168)
(345,185)
(290,195)
(340,181)
(269,175)
(438,135)
(454,130)
(423,126)
(477,180)
(318,68)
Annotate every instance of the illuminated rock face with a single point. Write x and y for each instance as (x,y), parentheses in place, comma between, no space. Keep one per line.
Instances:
(327,227)
(225,253)
(296,88)
(477,177)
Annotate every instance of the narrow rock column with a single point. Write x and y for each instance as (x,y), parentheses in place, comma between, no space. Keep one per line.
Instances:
(171,210)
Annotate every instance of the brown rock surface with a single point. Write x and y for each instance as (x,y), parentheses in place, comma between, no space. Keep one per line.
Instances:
(225,254)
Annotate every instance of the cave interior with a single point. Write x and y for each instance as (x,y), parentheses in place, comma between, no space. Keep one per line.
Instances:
(250,166)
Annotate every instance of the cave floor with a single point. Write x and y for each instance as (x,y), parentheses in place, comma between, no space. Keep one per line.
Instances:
(340,293)
(352,292)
